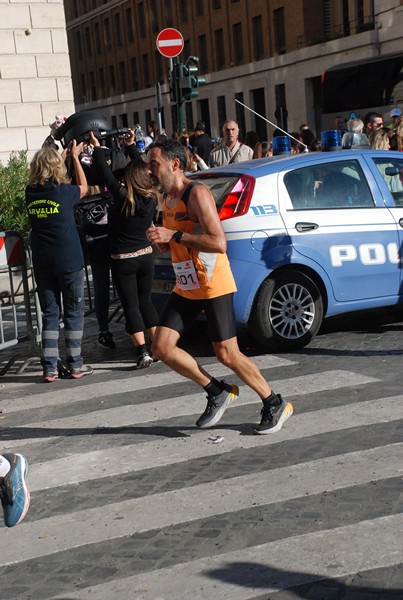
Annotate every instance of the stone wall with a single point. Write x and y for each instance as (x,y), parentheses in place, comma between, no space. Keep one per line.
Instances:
(35,76)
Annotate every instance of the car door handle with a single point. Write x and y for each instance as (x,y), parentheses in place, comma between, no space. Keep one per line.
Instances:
(301,226)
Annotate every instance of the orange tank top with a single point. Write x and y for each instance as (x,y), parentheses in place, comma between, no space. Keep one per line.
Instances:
(199,275)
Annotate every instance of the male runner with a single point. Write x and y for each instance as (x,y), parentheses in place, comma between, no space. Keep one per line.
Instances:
(193,233)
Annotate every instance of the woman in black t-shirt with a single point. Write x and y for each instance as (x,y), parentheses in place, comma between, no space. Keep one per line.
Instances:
(132,263)
(57,256)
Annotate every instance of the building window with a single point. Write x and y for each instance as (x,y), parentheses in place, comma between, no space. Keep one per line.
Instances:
(221,110)
(186,48)
(258,45)
(238,44)
(189,116)
(129,25)
(153,16)
(183,10)
(134,74)
(203,62)
(281,106)
(93,91)
(142,20)
(123,120)
(114,122)
(199,8)
(148,115)
(216,4)
(158,65)
(122,76)
(240,115)
(83,86)
(219,49)
(146,71)
(79,48)
(135,118)
(279,31)
(102,88)
(118,30)
(112,80)
(168,13)
(97,36)
(88,42)
(107,34)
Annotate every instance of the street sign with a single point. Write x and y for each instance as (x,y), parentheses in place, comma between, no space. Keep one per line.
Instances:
(170,42)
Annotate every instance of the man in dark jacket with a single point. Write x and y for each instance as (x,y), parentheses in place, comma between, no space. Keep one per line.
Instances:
(200,141)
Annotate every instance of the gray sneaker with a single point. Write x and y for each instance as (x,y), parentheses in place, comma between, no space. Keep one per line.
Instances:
(273,417)
(216,406)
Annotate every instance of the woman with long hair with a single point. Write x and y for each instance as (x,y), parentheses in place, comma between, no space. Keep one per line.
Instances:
(57,255)
(132,263)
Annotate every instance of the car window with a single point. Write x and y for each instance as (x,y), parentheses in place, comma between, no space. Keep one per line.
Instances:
(328,185)
(392,172)
(219,187)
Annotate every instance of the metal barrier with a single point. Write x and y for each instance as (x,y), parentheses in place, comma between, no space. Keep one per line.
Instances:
(20,315)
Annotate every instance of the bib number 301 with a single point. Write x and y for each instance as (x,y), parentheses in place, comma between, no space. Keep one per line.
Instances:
(186,278)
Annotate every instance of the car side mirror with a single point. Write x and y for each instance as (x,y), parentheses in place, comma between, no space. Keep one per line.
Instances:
(391,171)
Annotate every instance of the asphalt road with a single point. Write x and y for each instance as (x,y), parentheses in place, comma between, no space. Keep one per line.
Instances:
(131,501)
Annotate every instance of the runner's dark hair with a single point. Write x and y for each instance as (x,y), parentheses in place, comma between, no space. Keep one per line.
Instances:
(171,149)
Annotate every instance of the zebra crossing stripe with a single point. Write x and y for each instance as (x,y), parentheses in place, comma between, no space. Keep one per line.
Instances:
(267,568)
(90,526)
(162,452)
(92,388)
(191,404)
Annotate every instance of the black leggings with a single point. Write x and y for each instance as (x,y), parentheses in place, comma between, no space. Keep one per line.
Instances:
(133,278)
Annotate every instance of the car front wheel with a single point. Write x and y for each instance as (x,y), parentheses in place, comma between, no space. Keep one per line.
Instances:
(287,312)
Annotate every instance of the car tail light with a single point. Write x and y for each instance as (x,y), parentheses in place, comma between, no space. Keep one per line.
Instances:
(239,198)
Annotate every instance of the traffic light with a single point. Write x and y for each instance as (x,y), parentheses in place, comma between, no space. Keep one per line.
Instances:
(189,81)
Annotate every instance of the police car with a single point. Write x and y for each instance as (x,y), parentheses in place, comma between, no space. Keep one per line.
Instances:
(309,236)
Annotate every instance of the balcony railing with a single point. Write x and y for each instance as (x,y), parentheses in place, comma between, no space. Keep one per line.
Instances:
(336,32)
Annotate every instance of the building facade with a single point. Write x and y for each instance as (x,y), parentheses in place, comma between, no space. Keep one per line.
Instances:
(35,75)
(268,54)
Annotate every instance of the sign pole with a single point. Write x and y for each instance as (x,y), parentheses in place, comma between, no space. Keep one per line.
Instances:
(170,44)
(159,105)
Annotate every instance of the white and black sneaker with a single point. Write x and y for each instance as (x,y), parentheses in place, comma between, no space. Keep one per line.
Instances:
(144,360)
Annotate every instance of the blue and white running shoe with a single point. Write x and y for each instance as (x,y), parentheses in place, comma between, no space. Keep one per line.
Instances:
(13,490)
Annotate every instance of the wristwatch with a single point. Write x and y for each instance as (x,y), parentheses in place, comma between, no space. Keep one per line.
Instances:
(177,236)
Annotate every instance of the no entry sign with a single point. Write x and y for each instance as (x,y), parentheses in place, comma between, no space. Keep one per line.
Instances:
(170,42)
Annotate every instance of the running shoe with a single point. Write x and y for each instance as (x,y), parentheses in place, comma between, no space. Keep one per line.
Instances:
(80,372)
(144,360)
(217,405)
(13,490)
(105,339)
(273,417)
(50,376)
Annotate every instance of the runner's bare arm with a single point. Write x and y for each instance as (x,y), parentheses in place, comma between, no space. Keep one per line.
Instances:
(201,209)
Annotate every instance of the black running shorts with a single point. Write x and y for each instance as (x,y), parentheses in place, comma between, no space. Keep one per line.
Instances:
(180,313)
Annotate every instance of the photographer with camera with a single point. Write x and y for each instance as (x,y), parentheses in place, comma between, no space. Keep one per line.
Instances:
(132,263)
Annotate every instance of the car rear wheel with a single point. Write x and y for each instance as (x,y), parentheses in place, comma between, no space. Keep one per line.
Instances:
(287,312)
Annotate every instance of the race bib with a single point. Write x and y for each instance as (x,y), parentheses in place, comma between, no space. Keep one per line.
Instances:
(186,278)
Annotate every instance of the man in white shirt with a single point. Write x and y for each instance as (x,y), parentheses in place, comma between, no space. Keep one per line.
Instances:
(230,150)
